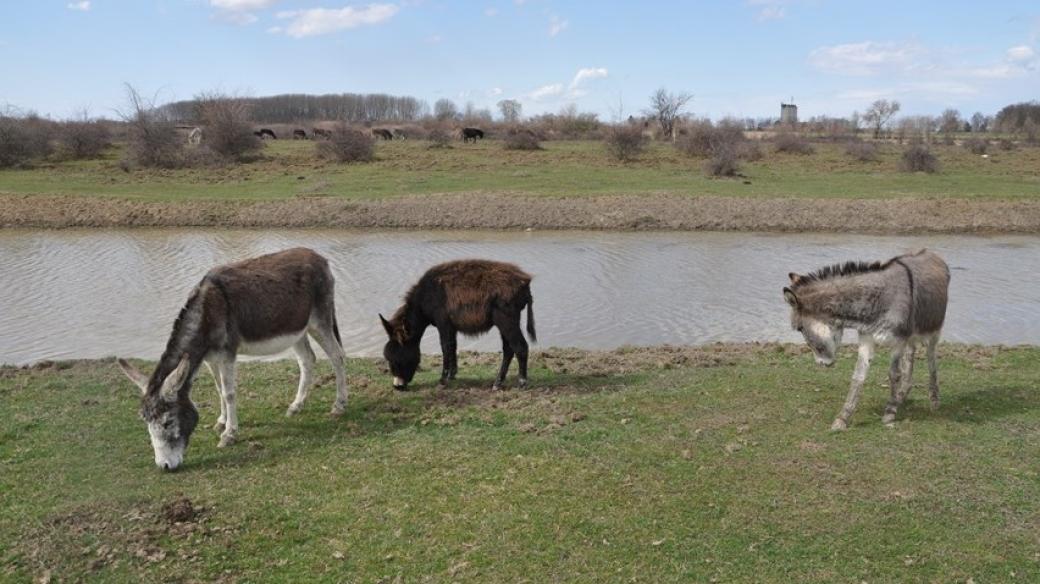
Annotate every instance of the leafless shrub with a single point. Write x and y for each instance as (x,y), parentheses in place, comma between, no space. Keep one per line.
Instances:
(84,138)
(702,138)
(152,139)
(977,145)
(228,129)
(348,145)
(862,151)
(1006,144)
(750,151)
(439,137)
(24,139)
(522,139)
(625,142)
(792,143)
(918,158)
(724,161)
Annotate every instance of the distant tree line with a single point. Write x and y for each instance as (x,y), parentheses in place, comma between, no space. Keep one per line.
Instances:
(293,107)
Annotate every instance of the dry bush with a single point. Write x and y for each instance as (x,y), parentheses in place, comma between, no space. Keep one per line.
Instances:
(703,138)
(439,137)
(348,145)
(521,139)
(918,158)
(792,144)
(625,142)
(724,162)
(152,139)
(228,130)
(862,151)
(977,145)
(83,139)
(24,139)
(1006,144)
(750,151)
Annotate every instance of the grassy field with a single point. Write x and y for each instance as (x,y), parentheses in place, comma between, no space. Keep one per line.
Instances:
(290,169)
(661,465)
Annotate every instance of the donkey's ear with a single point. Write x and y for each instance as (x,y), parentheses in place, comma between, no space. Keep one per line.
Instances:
(386,326)
(172,384)
(790,297)
(135,376)
(795,278)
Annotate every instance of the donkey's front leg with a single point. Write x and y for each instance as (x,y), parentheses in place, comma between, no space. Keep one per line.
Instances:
(227,375)
(214,370)
(449,353)
(859,376)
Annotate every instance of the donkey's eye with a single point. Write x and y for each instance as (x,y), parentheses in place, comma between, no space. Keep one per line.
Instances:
(799,329)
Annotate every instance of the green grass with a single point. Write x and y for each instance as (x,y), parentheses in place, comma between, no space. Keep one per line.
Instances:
(291,169)
(680,467)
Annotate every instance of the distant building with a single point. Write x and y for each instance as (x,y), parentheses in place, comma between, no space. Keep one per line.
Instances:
(788,114)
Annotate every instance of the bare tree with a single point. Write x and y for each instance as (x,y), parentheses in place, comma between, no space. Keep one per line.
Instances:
(152,137)
(445,109)
(979,122)
(879,114)
(228,129)
(666,108)
(950,121)
(511,109)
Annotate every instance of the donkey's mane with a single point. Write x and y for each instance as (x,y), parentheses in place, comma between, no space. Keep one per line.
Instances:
(845,269)
(172,354)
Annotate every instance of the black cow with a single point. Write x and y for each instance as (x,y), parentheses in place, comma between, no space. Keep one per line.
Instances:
(382,133)
(299,134)
(472,134)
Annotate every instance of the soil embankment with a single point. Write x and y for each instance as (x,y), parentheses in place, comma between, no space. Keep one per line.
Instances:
(509,211)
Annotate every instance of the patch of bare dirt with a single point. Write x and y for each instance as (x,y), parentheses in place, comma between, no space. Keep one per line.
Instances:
(480,210)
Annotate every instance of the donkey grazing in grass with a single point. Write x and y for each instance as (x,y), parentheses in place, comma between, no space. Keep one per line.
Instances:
(467,296)
(259,306)
(901,302)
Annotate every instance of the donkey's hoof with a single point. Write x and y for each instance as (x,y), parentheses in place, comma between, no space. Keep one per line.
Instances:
(226,440)
(338,409)
(839,425)
(935,404)
(522,383)
(497,386)
(293,409)
(888,420)
(443,382)
(219,427)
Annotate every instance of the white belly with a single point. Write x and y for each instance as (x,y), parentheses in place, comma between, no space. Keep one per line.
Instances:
(269,346)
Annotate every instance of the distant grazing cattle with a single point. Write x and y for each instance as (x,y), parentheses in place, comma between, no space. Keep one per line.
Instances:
(382,133)
(399,134)
(299,134)
(265,133)
(195,136)
(258,134)
(472,134)
(322,133)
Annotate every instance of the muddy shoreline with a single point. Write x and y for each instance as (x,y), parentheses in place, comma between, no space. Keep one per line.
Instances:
(653,212)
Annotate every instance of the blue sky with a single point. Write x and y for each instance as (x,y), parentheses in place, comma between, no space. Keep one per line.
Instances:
(738,57)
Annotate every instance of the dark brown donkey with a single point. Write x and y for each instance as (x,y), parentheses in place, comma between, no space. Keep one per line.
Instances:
(467,296)
(259,306)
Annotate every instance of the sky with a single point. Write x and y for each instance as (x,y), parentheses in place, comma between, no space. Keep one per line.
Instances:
(738,58)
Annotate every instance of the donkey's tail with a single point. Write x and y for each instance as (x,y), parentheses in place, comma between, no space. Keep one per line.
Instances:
(530,318)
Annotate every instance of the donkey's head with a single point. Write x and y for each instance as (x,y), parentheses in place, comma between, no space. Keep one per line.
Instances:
(821,332)
(169,413)
(401,352)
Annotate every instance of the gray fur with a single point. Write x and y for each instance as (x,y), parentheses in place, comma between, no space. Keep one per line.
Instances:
(901,302)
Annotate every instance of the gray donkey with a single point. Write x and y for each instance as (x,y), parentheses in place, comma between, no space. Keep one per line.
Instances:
(901,302)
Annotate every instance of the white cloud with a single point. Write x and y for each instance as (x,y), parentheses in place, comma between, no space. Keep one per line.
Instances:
(769,9)
(1021,54)
(866,58)
(586,74)
(318,21)
(82,5)
(547,91)
(490,11)
(240,11)
(495,91)
(557,25)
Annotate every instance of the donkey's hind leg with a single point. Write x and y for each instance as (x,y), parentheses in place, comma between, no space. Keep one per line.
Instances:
(906,375)
(326,337)
(305,357)
(933,372)
(215,371)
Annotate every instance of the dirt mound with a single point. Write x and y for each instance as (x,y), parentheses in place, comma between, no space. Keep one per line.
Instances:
(179,510)
(480,210)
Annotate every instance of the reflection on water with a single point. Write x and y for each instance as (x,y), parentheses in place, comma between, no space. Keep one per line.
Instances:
(96,293)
